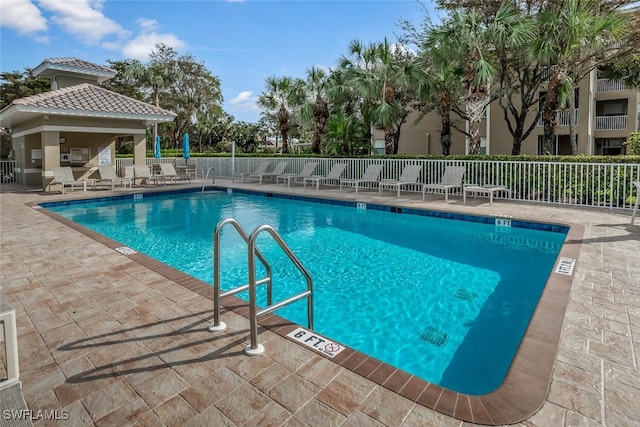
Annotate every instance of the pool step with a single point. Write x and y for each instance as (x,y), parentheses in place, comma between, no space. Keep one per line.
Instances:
(434,335)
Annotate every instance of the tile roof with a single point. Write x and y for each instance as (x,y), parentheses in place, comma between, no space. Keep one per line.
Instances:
(76,64)
(90,100)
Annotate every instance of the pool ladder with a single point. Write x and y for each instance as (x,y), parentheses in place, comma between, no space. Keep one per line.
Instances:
(255,348)
(204,183)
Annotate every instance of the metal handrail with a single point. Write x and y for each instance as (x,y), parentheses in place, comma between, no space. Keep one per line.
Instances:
(255,348)
(217,325)
(204,183)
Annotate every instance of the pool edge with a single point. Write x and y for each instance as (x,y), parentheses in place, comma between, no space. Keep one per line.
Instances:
(526,384)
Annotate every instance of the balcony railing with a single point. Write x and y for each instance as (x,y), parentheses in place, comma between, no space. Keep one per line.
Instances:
(611,122)
(563,118)
(609,85)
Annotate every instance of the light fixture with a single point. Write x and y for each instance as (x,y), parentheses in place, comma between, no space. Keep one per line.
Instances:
(62,140)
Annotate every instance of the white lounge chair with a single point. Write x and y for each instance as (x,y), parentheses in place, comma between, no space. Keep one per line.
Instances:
(63,176)
(166,172)
(371,175)
(143,173)
(278,170)
(108,174)
(262,168)
(306,172)
(635,208)
(334,175)
(451,179)
(409,176)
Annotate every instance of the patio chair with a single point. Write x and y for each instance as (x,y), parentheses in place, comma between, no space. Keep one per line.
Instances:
(334,175)
(63,176)
(635,208)
(409,176)
(143,173)
(191,172)
(108,174)
(262,168)
(278,170)
(167,171)
(371,175)
(451,179)
(306,172)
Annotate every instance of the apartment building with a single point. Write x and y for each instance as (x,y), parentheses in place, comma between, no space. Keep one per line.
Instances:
(606,113)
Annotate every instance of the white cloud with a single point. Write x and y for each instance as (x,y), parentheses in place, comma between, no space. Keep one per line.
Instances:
(142,46)
(84,19)
(241,98)
(402,49)
(244,101)
(22,15)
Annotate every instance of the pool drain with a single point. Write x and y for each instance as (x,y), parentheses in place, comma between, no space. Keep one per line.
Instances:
(465,294)
(434,335)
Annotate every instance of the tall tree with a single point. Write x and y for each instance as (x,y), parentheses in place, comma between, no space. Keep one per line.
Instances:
(512,31)
(193,93)
(122,83)
(571,32)
(468,42)
(15,85)
(316,85)
(156,76)
(440,88)
(378,76)
(281,96)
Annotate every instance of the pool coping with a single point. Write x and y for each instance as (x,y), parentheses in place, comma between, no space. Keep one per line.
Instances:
(528,379)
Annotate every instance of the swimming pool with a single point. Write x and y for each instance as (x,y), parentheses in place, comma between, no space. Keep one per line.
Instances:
(447,300)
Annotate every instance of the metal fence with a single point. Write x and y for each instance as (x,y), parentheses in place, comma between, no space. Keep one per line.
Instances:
(606,185)
(7,171)
(586,184)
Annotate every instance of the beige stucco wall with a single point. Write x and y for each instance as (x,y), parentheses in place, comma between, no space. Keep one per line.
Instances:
(500,141)
(95,137)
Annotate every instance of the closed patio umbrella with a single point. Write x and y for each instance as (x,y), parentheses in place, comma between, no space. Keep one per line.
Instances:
(185,146)
(157,153)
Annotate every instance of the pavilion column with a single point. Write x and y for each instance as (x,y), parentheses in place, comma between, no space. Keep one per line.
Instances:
(140,149)
(50,142)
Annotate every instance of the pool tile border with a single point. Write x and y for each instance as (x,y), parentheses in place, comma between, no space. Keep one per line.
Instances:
(527,382)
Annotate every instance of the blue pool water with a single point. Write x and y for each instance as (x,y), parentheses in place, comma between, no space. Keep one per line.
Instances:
(446,300)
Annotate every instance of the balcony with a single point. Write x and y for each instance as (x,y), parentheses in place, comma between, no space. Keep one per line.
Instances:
(609,85)
(611,122)
(563,118)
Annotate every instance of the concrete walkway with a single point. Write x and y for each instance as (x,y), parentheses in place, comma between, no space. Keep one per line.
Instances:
(105,340)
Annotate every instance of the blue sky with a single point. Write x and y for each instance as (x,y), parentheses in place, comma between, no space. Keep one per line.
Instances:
(240,42)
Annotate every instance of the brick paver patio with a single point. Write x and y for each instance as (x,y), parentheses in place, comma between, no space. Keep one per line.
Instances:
(115,343)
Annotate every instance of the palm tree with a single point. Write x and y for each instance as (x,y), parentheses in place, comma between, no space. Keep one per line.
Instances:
(512,31)
(570,33)
(344,135)
(464,39)
(440,88)
(156,76)
(316,85)
(377,75)
(282,95)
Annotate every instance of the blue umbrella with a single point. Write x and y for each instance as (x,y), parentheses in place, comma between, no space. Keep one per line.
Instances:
(185,146)
(157,153)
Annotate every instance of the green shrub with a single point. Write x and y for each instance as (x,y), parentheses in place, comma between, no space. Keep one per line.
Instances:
(633,143)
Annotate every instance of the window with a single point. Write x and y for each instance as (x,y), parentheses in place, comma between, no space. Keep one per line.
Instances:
(378,146)
(79,154)
(616,107)
(610,146)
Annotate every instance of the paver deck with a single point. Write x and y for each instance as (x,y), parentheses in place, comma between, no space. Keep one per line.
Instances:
(106,340)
